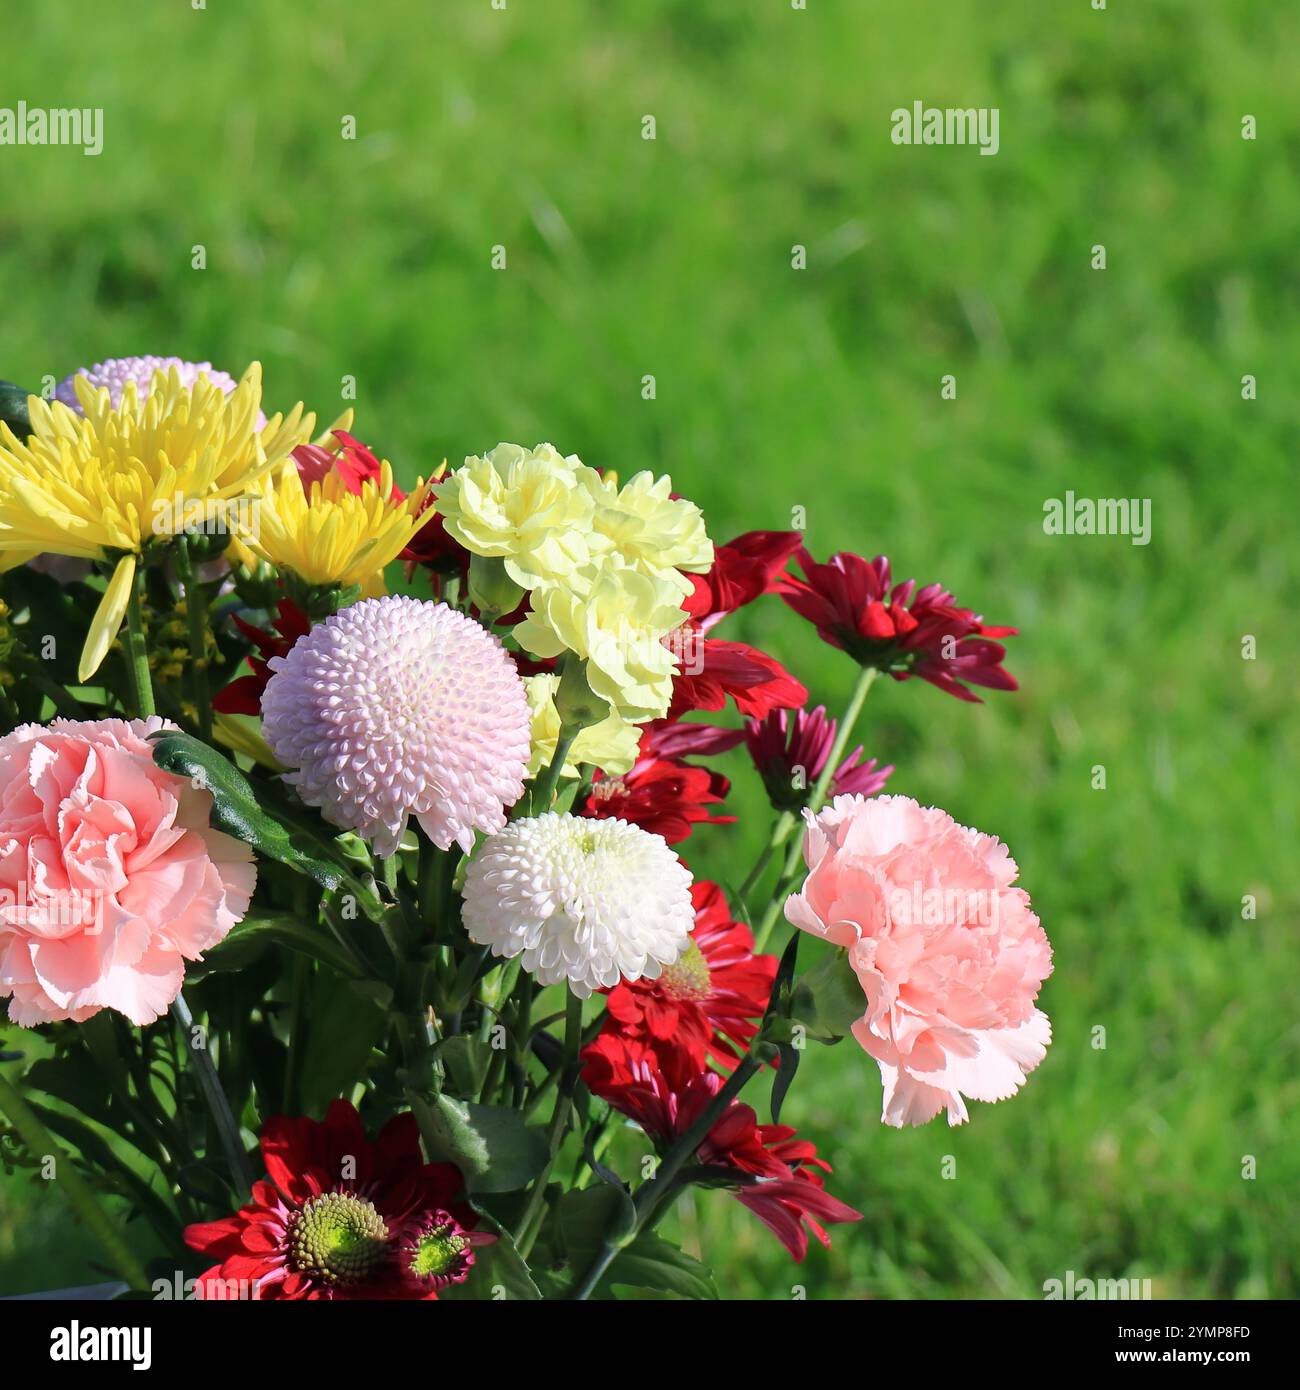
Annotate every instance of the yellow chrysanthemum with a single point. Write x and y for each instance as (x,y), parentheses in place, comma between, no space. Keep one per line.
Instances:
(104,485)
(328,535)
(615,622)
(610,745)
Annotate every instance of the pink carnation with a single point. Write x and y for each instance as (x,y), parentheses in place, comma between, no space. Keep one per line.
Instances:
(948,953)
(110,877)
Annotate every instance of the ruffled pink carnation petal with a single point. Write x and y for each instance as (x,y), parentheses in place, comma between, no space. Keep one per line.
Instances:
(110,877)
(395,708)
(949,954)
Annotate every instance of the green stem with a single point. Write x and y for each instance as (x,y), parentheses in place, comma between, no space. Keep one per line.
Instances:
(531,1221)
(791,869)
(196,617)
(137,650)
(652,1197)
(9,710)
(218,1106)
(521,1042)
(58,697)
(785,823)
(866,679)
(550,1079)
(37,1139)
(544,787)
(302,971)
(426,889)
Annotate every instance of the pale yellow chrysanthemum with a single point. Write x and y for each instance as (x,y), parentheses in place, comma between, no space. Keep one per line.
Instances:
(105,485)
(610,745)
(615,621)
(329,535)
(526,506)
(648,528)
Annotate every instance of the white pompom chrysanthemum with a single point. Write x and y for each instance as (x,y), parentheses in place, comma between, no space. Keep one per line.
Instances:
(394,708)
(584,901)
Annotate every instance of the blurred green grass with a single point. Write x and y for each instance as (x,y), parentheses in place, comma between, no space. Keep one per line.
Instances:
(819,389)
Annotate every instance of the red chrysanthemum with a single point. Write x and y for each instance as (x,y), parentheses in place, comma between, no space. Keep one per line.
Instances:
(778,1177)
(660,792)
(244,694)
(703,1007)
(904,630)
(341,1217)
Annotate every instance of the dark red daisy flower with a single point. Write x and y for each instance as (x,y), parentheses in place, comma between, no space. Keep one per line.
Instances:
(341,1217)
(702,1007)
(661,793)
(790,748)
(711,671)
(244,694)
(742,570)
(433,548)
(778,1177)
(902,630)
(662,796)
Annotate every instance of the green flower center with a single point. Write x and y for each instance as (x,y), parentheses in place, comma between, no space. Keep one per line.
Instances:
(688,976)
(337,1237)
(436,1252)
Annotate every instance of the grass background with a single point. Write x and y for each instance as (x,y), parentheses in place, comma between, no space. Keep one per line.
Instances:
(779,388)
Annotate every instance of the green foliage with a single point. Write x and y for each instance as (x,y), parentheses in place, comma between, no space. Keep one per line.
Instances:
(491,1144)
(247,814)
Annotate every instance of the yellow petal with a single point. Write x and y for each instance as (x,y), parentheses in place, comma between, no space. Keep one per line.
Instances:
(108,618)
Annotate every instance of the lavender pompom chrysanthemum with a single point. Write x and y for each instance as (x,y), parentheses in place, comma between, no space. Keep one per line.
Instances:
(394,708)
(115,372)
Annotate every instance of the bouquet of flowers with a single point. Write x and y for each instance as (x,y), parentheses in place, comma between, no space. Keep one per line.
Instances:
(353,922)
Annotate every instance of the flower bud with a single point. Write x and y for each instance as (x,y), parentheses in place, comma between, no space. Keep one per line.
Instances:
(577,705)
(491,590)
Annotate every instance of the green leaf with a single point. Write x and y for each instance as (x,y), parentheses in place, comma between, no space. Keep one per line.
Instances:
(237,811)
(490,1144)
(94,1152)
(652,1263)
(466,1059)
(76,1086)
(344,1026)
(784,1077)
(828,999)
(13,409)
(246,939)
(579,1223)
(586,1218)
